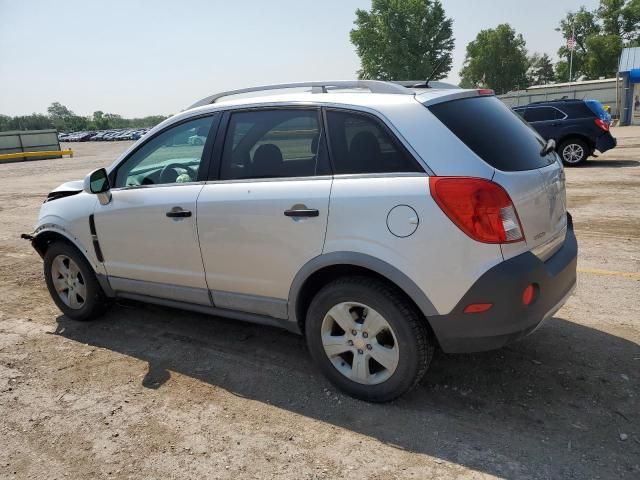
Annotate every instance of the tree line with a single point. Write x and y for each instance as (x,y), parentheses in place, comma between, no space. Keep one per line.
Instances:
(413,40)
(64,120)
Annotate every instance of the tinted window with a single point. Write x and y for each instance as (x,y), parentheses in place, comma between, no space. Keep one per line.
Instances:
(496,134)
(540,114)
(360,144)
(578,110)
(272,144)
(173,156)
(519,111)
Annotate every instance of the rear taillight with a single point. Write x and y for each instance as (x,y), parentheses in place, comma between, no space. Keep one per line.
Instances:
(602,124)
(485,92)
(480,208)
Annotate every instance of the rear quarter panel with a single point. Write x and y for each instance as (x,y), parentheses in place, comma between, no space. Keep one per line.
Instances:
(439,258)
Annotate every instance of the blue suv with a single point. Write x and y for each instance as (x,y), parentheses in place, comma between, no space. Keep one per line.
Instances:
(579,127)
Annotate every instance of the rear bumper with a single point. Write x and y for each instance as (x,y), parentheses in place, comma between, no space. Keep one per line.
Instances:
(606,142)
(509,319)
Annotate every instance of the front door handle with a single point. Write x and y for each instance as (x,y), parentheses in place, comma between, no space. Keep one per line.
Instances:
(178,212)
(301,212)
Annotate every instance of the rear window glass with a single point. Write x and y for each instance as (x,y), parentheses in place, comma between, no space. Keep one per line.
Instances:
(494,133)
(597,108)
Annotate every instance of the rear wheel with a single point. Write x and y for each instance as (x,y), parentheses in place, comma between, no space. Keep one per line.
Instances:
(72,282)
(574,151)
(368,339)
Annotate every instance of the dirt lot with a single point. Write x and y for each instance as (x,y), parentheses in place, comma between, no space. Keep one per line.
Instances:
(149,392)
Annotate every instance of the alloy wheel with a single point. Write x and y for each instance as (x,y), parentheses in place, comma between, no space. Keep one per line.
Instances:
(360,343)
(572,153)
(68,282)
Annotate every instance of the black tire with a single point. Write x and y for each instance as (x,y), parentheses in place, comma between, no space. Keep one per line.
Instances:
(415,344)
(95,302)
(576,144)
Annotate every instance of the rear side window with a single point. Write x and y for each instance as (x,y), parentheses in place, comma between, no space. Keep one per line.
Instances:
(494,133)
(360,144)
(541,114)
(274,144)
(578,110)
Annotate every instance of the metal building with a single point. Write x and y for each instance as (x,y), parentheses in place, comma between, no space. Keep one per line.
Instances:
(629,73)
(602,90)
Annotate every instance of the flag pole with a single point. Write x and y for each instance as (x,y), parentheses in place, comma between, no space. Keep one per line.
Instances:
(573,35)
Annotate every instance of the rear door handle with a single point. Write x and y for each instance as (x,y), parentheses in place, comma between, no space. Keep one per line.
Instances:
(301,212)
(178,212)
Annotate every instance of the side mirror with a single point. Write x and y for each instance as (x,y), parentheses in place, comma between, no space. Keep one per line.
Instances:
(97,183)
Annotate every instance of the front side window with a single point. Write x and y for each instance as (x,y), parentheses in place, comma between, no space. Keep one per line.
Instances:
(173,156)
(359,144)
(273,144)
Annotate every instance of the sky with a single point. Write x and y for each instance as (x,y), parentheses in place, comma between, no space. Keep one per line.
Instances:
(139,58)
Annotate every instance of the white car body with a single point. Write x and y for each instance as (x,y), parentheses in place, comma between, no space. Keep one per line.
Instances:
(239,256)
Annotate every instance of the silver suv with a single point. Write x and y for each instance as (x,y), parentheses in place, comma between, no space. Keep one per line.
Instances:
(380,221)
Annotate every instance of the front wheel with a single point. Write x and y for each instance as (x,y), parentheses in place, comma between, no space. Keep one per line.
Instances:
(368,339)
(573,152)
(72,282)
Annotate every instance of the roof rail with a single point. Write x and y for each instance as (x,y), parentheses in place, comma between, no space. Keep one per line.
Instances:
(374,86)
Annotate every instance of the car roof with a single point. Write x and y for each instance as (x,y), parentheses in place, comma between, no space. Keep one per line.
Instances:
(543,103)
(350,97)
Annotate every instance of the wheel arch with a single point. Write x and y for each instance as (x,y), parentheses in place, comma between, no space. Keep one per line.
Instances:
(48,234)
(322,269)
(579,136)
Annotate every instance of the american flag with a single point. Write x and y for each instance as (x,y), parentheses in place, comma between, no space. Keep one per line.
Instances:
(571,43)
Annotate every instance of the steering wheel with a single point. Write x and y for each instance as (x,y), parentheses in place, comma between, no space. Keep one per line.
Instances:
(170,173)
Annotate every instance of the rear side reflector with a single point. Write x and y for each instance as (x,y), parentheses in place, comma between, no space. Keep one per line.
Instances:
(480,208)
(529,294)
(602,124)
(477,307)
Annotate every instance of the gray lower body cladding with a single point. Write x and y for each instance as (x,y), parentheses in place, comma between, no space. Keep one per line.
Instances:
(503,285)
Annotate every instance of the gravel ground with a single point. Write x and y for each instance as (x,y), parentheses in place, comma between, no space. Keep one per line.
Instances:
(150,392)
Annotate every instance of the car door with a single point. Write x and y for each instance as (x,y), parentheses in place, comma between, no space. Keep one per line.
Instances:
(264,213)
(147,233)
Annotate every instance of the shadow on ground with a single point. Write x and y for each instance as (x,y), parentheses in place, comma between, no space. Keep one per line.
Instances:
(594,162)
(550,406)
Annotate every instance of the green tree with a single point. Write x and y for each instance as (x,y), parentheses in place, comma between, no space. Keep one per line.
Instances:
(60,117)
(600,37)
(403,40)
(99,121)
(496,59)
(64,119)
(602,57)
(621,18)
(583,24)
(540,70)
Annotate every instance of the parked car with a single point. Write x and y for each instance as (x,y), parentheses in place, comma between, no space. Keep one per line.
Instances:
(378,225)
(578,127)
